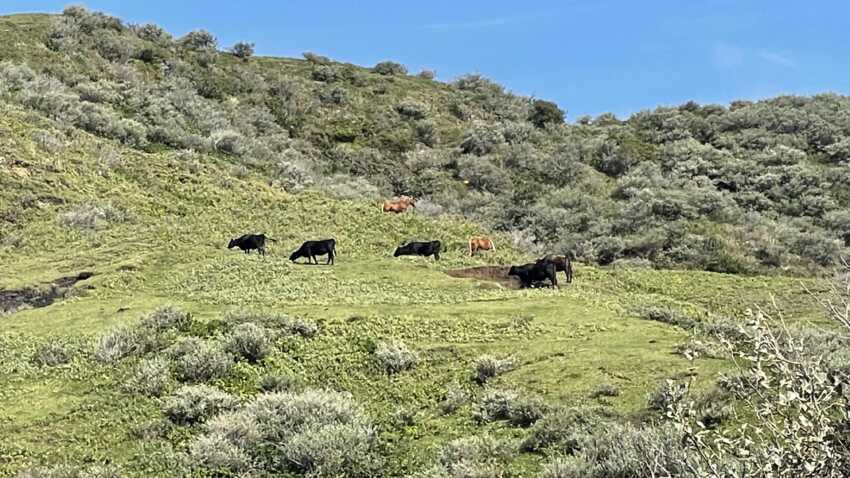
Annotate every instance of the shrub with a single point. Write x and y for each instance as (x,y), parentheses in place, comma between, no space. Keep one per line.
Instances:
(286,324)
(124,341)
(563,429)
(201,361)
(666,395)
(545,112)
(274,382)
(395,357)
(347,187)
(455,398)
(326,73)
(228,142)
(216,452)
(91,216)
(249,341)
(167,318)
(243,50)
(410,109)
(197,403)
(426,133)
(71,471)
(53,353)
(483,456)
(487,367)
(316,59)
(153,33)
(48,142)
(481,139)
(509,405)
(605,390)
(198,40)
(625,450)
(335,450)
(427,74)
(389,68)
(150,377)
(315,433)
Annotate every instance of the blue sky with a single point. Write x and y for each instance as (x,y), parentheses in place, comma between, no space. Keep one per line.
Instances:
(589,56)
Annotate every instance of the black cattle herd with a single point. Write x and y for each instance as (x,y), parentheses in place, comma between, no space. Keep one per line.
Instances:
(529,275)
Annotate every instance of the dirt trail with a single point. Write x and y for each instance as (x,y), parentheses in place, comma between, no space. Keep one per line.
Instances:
(12,300)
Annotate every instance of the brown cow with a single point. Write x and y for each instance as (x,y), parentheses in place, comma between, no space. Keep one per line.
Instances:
(562,263)
(399,205)
(480,243)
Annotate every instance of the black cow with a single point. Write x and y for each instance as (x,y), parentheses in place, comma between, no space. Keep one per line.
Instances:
(426,249)
(311,249)
(562,263)
(533,272)
(247,242)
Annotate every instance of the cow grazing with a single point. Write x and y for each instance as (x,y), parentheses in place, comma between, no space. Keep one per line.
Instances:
(562,263)
(311,249)
(480,243)
(426,249)
(399,205)
(248,242)
(533,272)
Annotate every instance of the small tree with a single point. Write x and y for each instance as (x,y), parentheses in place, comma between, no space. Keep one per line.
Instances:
(243,50)
(545,112)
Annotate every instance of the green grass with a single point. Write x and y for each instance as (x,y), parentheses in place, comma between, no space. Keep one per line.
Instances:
(171,251)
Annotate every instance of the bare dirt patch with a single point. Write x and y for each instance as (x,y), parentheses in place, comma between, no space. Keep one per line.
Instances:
(13,300)
(498,274)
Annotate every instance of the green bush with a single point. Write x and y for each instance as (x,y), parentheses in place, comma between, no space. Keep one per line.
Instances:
(201,361)
(562,429)
(52,353)
(511,406)
(545,112)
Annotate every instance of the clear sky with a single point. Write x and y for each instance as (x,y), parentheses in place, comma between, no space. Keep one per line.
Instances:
(589,56)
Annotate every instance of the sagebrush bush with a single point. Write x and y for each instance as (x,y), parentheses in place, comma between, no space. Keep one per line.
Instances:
(348,187)
(151,377)
(281,323)
(125,341)
(54,352)
(199,40)
(167,318)
(605,390)
(516,408)
(202,361)
(666,395)
(335,450)
(276,382)
(487,367)
(315,58)
(483,456)
(316,433)
(389,68)
(427,74)
(197,403)
(455,398)
(250,342)
(91,216)
(411,109)
(394,357)
(71,471)
(562,429)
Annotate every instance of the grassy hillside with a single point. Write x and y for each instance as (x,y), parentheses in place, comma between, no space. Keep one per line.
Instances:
(94,383)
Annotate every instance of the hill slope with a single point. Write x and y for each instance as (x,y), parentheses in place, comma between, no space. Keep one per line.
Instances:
(103,185)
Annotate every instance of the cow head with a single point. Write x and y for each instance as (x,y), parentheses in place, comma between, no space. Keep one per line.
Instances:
(399,251)
(295,255)
(231,243)
(512,271)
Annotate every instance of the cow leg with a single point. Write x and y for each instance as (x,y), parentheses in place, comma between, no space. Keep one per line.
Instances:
(436,256)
